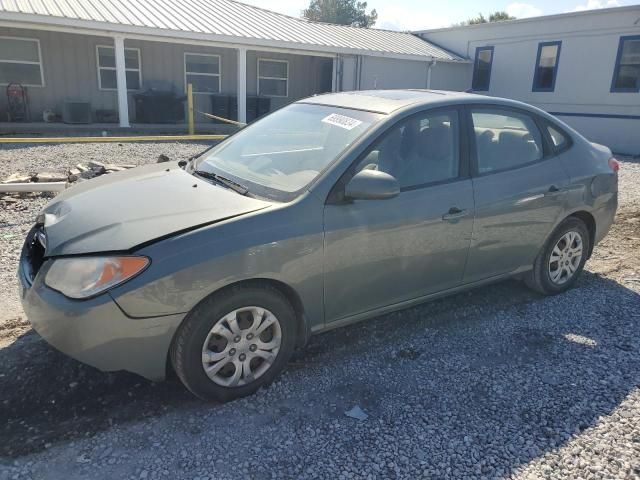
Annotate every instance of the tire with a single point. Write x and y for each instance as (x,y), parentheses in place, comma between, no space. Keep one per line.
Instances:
(540,278)
(189,357)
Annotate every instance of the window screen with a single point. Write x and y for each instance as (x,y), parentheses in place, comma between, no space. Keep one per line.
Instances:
(626,75)
(544,79)
(20,62)
(107,68)
(505,139)
(273,78)
(482,68)
(202,72)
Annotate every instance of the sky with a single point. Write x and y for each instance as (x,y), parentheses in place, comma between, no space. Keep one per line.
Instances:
(424,14)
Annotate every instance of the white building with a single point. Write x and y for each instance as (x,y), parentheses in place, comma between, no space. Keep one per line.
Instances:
(100,53)
(583,67)
(244,61)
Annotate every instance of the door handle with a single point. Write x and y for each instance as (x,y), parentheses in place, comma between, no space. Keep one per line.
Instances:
(553,189)
(455,213)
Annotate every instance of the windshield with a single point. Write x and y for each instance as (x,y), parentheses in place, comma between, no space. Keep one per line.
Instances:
(287,150)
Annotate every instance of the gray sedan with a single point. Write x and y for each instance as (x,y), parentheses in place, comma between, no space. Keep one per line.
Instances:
(334,209)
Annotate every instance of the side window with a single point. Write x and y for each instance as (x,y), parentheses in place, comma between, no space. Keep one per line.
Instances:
(420,150)
(558,138)
(626,74)
(544,78)
(505,139)
(482,69)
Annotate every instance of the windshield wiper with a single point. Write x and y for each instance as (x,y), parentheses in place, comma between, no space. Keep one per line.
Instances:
(236,187)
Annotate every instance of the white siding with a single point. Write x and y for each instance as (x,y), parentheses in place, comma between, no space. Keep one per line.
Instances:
(585,70)
(386,73)
(70,72)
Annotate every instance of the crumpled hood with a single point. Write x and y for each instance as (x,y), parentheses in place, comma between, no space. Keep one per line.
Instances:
(119,211)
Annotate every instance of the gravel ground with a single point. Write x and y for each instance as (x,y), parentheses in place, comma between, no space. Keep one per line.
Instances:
(497,382)
(17,217)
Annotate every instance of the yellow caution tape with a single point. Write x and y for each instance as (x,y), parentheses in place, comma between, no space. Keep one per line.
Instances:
(146,138)
(222,119)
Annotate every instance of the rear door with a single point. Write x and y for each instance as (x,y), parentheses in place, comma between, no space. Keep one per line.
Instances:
(519,190)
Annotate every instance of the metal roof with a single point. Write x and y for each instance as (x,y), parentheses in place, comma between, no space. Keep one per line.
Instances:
(221,20)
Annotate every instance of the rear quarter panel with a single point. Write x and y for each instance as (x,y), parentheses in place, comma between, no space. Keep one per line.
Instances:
(594,186)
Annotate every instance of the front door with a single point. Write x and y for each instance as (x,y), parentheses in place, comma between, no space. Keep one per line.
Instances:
(520,191)
(382,252)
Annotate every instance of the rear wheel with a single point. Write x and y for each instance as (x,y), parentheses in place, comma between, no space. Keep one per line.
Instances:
(235,342)
(562,258)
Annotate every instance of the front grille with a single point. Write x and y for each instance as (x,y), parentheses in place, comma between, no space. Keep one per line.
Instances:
(33,252)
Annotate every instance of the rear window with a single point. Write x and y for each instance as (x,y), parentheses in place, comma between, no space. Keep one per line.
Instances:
(559,139)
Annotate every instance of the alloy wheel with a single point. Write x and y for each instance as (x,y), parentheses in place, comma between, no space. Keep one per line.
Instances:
(565,258)
(241,346)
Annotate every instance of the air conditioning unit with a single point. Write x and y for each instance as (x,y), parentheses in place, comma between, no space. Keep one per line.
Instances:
(76,112)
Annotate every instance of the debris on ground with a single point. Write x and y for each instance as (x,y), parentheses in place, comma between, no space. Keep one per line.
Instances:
(48,177)
(17,178)
(357,413)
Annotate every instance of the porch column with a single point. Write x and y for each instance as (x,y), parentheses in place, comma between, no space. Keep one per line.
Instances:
(430,65)
(334,75)
(121,82)
(242,85)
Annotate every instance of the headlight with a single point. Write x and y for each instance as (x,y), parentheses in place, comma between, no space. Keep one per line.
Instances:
(85,277)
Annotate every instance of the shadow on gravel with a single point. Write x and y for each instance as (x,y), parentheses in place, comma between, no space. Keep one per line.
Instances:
(538,383)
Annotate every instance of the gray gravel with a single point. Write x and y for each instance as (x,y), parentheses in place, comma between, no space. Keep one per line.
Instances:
(16,218)
(498,382)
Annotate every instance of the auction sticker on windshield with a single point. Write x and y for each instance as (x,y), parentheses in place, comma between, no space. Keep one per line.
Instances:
(341,121)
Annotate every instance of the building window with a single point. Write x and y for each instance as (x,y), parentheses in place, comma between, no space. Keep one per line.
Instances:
(626,74)
(107,68)
(544,77)
(202,71)
(482,69)
(20,62)
(273,78)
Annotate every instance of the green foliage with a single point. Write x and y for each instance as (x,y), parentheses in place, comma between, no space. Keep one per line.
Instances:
(494,17)
(342,12)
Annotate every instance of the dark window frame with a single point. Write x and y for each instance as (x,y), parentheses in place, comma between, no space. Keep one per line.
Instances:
(336,195)
(474,85)
(554,151)
(548,150)
(536,75)
(616,68)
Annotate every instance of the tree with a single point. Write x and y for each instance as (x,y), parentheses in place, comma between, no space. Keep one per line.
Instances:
(342,12)
(494,17)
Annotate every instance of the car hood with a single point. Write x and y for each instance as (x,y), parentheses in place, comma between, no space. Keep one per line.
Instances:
(120,211)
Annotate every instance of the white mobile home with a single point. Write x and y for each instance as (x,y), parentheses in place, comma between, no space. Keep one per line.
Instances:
(583,67)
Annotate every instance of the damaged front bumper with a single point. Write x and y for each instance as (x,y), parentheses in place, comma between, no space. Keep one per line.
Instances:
(96,331)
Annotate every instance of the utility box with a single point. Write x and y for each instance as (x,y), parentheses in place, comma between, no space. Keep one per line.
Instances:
(75,111)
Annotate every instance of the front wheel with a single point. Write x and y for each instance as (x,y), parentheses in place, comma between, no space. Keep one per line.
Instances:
(562,258)
(234,342)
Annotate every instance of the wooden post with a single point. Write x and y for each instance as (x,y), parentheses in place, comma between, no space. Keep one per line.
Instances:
(190,108)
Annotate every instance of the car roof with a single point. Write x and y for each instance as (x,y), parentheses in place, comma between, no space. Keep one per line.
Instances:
(388,101)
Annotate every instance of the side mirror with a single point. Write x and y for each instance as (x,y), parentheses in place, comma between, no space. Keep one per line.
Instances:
(372,185)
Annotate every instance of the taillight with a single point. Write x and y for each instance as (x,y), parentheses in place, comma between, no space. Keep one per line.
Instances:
(614,165)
